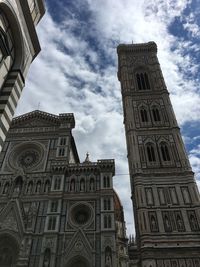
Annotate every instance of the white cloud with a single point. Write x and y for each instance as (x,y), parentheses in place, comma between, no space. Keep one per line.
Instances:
(61,79)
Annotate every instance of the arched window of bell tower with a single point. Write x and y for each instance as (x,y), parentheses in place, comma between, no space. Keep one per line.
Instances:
(165,151)
(150,152)
(142,80)
(156,114)
(144,114)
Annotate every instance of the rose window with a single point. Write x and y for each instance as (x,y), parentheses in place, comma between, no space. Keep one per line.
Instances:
(81,214)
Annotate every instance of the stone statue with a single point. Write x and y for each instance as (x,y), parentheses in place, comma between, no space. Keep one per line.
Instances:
(108,258)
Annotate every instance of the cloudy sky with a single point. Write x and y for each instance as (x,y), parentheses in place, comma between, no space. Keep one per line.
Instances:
(76,71)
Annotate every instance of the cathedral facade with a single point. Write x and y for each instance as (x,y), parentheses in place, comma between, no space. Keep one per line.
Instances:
(19,45)
(54,210)
(166,202)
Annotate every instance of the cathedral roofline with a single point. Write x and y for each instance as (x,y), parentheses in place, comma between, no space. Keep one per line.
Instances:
(143,47)
(105,165)
(59,119)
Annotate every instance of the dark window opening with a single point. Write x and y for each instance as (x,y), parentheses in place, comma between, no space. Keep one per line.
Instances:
(61,152)
(151,153)
(165,152)
(143,81)
(144,116)
(156,114)
(106,181)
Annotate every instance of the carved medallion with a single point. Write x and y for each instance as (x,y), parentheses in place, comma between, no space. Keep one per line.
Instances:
(78,246)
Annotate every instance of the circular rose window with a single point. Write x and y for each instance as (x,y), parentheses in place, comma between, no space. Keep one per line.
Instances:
(28,158)
(81,214)
(26,155)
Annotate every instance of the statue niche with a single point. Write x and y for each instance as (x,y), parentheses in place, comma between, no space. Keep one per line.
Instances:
(47,258)
(18,186)
(108,257)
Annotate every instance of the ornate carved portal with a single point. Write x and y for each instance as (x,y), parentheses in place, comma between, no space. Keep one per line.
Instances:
(78,262)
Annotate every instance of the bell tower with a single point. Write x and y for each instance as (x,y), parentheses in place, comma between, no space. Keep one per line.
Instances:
(165,196)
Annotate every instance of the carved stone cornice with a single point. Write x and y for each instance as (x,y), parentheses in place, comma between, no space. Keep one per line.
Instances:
(137,48)
(61,119)
(99,166)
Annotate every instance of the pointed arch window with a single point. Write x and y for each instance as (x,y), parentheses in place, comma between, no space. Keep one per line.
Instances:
(61,152)
(143,114)
(142,81)
(150,152)
(165,152)
(62,141)
(156,114)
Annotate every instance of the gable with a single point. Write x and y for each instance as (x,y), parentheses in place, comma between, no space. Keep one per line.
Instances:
(35,118)
(78,246)
(11,218)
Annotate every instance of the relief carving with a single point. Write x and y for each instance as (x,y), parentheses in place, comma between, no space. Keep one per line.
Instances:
(153,222)
(166,221)
(179,221)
